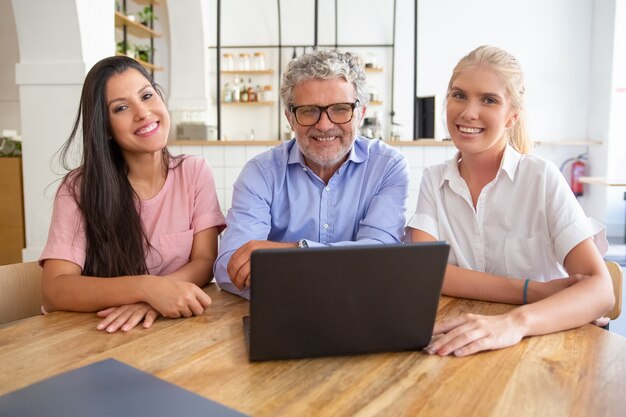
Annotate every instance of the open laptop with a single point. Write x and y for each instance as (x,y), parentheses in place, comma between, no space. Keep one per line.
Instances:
(343,300)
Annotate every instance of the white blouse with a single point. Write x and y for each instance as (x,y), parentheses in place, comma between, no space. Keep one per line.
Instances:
(525,223)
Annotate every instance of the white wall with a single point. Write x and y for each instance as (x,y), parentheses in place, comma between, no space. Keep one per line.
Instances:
(551,40)
(54,56)
(189,62)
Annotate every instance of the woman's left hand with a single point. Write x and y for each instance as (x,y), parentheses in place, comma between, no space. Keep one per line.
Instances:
(473,333)
(127,317)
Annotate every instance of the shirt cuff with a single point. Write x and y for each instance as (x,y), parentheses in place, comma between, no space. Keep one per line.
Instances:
(576,233)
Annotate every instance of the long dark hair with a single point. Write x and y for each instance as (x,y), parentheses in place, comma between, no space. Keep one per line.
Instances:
(116,240)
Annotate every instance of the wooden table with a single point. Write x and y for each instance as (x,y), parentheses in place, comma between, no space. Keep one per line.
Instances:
(580,372)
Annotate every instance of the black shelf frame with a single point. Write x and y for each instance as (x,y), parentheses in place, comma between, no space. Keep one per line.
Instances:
(280,46)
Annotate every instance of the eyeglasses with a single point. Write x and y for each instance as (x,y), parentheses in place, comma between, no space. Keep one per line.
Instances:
(338,113)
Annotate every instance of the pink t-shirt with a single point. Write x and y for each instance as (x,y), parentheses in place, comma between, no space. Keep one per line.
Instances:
(187,204)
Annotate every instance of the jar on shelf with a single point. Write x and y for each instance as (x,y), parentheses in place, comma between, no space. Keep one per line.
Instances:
(370,61)
(244,62)
(228,62)
(373,94)
(259,61)
(267,95)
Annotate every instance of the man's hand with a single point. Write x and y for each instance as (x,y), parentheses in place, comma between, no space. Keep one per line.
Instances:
(239,266)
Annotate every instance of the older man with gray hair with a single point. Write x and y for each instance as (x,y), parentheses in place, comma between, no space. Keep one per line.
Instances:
(326,187)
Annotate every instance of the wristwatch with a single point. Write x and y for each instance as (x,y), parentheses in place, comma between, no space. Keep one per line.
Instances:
(302,244)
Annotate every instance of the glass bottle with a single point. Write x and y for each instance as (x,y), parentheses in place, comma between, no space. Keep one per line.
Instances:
(251,91)
(236,90)
(244,98)
(227,94)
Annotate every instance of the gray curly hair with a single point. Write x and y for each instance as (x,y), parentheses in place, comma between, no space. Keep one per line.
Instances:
(323,65)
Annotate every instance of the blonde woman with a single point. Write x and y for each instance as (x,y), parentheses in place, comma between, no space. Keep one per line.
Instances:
(516,231)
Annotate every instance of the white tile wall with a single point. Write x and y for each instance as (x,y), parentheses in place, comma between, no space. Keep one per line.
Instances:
(227,162)
(235,156)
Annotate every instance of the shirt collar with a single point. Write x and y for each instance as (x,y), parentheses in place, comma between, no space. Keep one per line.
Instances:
(509,163)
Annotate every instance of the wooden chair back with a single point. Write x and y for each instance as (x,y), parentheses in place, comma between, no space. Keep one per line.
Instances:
(616,276)
(20,291)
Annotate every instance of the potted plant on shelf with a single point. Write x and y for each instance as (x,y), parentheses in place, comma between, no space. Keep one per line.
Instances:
(146,16)
(125,49)
(10,147)
(144,53)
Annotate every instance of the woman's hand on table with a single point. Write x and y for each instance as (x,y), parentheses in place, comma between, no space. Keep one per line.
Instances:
(174,299)
(471,333)
(127,317)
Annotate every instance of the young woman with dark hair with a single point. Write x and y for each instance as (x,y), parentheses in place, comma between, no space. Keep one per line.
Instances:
(134,229)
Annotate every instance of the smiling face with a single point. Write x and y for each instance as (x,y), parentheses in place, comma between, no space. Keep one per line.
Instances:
(138,118)
(325,145)
(479,112)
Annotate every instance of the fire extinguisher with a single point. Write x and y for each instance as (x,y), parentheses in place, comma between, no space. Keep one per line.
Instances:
(578,170)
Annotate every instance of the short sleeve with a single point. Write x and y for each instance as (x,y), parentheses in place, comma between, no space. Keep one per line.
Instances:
(206,207)
(66,236)
(568,223)
(425,217)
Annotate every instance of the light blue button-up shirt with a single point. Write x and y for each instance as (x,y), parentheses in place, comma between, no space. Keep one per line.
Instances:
(278,198)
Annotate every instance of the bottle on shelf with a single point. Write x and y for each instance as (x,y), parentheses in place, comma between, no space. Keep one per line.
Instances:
(374,96)
(236,90)
(244,62)
(244,98)
(227,93)
(252,96)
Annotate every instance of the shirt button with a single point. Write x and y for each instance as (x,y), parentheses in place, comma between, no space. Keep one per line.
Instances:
(304,169)
(327,188)
(325,225)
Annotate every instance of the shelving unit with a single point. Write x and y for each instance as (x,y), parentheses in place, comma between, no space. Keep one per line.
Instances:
(138,30)
(134,28)
(384,107)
